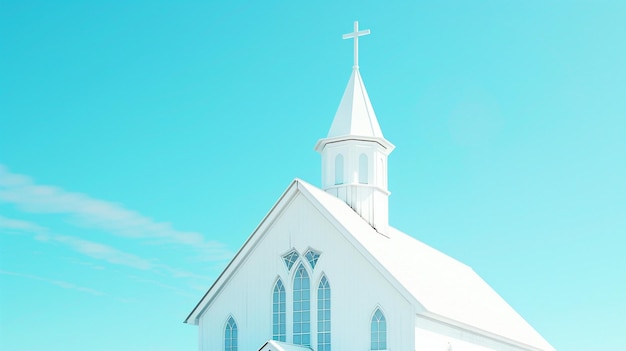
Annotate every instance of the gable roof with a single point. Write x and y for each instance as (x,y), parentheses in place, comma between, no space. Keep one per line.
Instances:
(447,289)
(439,286)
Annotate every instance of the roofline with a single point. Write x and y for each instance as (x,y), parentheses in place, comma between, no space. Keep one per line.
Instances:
(235,258)
(478,331)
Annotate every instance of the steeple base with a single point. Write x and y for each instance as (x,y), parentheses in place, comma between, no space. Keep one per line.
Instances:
(370,202)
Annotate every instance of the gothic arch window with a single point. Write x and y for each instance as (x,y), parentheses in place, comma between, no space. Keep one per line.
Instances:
(301,307)
(323,315)
(363,169)
(339,169)
(378,331)
(278,312)
(230,335)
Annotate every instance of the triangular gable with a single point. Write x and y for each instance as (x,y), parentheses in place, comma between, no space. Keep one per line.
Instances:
(299,187)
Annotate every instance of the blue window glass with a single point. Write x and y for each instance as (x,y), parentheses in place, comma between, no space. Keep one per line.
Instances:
(363,169)
(230,335)
(312,257)
(278,312)
(323,315)
(339,169)
(379,331)
(290,258)
(301,307)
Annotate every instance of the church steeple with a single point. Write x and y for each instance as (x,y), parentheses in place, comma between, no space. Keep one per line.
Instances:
(354,153)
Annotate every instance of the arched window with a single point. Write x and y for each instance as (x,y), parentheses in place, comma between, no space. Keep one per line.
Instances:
(339,169)
(380,173)
(323,315)
(379,331)
(301,307)
(230,335)
(278,312)
(363,169)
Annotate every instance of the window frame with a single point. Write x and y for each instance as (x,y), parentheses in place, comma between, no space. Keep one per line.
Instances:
(279,311)
(233,336)
(301,307)
(324,304)
(378,345)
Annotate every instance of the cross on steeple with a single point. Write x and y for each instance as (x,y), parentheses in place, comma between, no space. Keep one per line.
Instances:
(356,34)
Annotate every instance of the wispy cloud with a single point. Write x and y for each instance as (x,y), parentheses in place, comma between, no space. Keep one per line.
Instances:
(22,191)
(20,226)
(95,250)
(161,285)
(104,252)
(59,283)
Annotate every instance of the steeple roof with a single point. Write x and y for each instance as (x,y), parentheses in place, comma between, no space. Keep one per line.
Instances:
(355,115)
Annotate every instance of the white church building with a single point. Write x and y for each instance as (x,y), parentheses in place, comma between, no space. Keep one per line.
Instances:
(325,271)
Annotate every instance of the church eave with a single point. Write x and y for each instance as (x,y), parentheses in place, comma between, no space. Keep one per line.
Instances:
(478,331)
(321,144)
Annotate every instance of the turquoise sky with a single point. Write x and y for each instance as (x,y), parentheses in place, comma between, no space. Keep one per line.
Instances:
(141,142)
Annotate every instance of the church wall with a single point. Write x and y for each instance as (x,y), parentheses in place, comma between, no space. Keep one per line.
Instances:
(356,288)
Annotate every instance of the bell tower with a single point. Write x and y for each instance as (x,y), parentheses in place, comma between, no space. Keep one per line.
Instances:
(354,153)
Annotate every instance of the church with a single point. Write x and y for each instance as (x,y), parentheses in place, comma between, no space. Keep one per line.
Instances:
(325,271)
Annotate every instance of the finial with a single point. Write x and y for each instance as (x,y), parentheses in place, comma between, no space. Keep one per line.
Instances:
(356,34)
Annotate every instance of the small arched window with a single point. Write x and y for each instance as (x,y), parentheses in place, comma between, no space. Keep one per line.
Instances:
(278,312)
(380,173)
(230,335)
(339,169)
(323,315)
(363,169)
(378,331)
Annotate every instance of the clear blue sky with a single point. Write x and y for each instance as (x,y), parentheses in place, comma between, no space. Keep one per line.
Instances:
(141,142)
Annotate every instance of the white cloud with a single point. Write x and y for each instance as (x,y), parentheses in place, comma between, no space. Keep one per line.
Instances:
(19,225)
(110,218)
(96,250)
(21,191)
(59,283)
(104,252)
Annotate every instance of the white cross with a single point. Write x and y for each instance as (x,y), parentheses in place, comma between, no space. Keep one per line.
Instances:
(356,34)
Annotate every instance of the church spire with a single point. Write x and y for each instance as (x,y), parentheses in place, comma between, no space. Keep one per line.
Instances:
(355,115)
(354,153)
